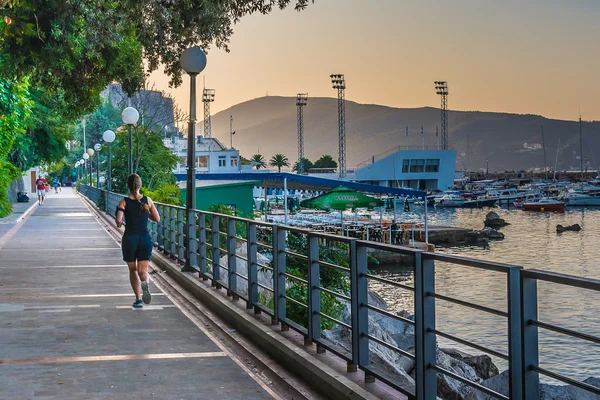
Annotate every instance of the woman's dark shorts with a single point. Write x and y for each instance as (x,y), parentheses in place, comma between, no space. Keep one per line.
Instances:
(136,247)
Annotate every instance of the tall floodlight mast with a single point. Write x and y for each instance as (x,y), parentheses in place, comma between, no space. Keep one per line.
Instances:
(441,88)
(301,100)
(339,82)
(208,96)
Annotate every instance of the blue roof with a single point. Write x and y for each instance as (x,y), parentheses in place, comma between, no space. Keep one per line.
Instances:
(305,182)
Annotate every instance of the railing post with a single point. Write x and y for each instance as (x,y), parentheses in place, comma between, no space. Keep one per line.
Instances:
(359,287)
(425,341)
(216,252)
(173,232)
(530,356)
(515,358)
(181,245)
(279,301)
(314,294)
(231,259)
(165,227)
(160,228)
(202,245)
(252,248)
(191,253)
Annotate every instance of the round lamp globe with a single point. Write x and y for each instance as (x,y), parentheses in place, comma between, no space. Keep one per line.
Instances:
(97,147)
(90,152)
(108,136)
(130,116)
(86,156)
(193,60)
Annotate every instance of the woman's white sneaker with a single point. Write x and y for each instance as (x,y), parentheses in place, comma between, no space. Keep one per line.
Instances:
(146,296)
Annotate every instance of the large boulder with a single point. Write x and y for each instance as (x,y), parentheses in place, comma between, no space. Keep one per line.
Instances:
(265,276)
(498,384)
(482,364)
(449,388)
(493,220)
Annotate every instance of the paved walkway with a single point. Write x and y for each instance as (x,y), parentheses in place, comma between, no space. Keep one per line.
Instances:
(19,209)
(68,331)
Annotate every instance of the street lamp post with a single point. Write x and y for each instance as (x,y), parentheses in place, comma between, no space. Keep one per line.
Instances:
(90,153)
(109,137)
(76,170)
(81,168)
(86,157)
(130,117)
(193,61)
(98,147)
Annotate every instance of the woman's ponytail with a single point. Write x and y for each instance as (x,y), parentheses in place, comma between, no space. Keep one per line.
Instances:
(134,183)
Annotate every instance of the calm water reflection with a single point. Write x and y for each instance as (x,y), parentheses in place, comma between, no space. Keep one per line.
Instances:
(531,242)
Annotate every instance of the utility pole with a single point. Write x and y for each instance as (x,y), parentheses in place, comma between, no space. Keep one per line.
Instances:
(208,96)
(441,88)
(469,155)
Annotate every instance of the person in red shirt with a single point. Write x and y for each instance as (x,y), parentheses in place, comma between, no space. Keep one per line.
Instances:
(41,189)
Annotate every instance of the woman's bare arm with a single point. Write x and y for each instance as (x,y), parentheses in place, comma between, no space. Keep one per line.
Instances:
(120,214)
(154,216)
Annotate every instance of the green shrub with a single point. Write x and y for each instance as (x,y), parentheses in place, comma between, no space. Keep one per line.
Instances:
(8,173)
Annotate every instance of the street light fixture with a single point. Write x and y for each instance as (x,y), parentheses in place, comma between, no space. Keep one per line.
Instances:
(86,156)
(130,117)
(193,61)
(98,147)
(90,152)
(108,136)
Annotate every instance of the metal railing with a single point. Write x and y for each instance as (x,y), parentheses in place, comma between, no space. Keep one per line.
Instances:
(281,271)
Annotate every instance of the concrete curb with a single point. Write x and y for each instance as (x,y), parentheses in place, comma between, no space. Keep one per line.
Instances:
(18,220)
(295,359)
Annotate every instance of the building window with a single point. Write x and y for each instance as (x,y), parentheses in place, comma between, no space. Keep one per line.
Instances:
(417,165)
(405,164)
(202,162)
(234,161)
(222,161)
(432,166)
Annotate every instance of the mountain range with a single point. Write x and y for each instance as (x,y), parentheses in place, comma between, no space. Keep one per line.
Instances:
(268,125)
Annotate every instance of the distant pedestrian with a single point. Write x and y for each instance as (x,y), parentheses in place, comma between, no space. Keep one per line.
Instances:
(40,184)
(137,242)
(55,183)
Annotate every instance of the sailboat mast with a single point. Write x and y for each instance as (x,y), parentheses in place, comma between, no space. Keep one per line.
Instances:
(545,164)
(581,148)
(556,161)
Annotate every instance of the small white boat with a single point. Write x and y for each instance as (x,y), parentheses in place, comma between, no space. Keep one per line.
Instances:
(504,195)
(572,199)
(544,204)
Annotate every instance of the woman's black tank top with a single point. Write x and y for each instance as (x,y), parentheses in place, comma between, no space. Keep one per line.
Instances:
(136,219)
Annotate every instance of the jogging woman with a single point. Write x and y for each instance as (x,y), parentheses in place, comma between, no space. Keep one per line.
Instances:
(137,243)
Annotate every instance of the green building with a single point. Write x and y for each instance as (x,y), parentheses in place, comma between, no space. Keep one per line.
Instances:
(237,195)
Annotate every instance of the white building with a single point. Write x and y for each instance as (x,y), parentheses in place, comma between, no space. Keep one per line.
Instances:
(414,169)
(211,156)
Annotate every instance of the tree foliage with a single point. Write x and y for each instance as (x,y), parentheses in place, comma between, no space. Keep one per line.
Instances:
(259,161)
(279,161)
(326,161)
(306,164)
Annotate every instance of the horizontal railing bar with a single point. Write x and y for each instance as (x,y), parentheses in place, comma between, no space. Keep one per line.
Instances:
(388,247)
(223,251)
(473,345)
(295,326)
(332,348)
(294,277)
(470,262)
(264,266)
(264,308)
(387,281)
(392,347)
(570,280)
(241,238)
(264,245)
(566,331)
(328,264)
(470,383)
(296,302)
(240,275)
(469,304)
(389,314)
(224,267)
(241,257)
(294,254)
(265,287)
(388,380)
(570,381)
(206,229)
(334,320)
(336,294)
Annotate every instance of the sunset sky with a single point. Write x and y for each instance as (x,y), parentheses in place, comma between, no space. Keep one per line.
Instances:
(530,57)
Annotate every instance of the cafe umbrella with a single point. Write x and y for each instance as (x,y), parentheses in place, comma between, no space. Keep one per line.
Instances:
(341,198)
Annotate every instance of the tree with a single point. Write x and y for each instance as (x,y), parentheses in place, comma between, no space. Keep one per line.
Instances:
(259,161)
(326,161)
(306,164)
(105,116)
(279,160)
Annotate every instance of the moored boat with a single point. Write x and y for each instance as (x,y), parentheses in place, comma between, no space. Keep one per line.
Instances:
(544,204)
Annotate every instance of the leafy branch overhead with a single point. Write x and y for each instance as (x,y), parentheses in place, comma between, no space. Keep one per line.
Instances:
(77,47)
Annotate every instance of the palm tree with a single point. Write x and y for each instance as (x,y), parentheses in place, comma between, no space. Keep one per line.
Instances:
(279,160)
(326,161)
(306,163)
(258,161)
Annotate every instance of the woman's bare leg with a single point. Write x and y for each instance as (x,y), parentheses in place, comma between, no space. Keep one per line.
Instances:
(142,270)
(134,278)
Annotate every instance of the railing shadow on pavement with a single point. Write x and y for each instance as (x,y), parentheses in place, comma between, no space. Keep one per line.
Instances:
(281,271)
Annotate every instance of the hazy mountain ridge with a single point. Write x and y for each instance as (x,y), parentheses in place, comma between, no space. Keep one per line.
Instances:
(268,125)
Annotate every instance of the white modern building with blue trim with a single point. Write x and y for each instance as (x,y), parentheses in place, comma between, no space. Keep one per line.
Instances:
(414,169)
